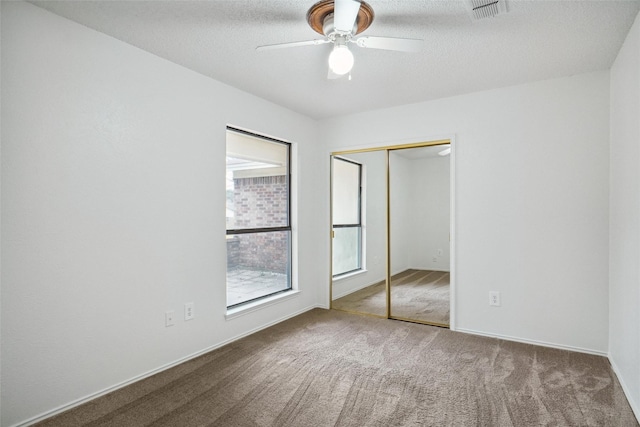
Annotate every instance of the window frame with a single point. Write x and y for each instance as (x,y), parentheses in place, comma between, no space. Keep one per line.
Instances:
(259,230)
(357,225)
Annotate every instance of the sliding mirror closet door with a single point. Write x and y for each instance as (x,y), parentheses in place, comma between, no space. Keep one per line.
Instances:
(419,193)
(358,209)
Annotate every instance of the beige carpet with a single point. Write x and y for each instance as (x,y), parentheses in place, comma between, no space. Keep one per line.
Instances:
(330,368)
(415,294)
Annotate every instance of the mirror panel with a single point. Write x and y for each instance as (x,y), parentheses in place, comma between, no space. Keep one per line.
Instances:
(359,289)
(419,220)
(404,274)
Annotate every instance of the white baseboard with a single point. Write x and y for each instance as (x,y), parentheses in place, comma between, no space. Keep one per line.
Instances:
(635,406)
(534,342)
(350,291)
(147,374)
(441,270)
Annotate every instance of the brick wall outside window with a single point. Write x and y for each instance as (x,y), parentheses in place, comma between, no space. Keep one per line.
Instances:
(259,202)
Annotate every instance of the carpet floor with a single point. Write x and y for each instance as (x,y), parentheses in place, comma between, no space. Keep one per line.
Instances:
(330,368)
(415,294)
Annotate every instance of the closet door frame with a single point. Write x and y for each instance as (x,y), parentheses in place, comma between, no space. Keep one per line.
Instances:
(387,149)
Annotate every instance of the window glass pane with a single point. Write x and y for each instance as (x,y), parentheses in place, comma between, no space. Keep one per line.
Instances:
(346,250)
(346,192)
(257,265)
(257,182)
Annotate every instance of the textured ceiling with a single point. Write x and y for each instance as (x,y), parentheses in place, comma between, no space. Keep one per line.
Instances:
(535,40)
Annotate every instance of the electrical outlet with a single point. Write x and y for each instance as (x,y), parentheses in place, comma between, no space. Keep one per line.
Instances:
(188,311)
(494,298)
(170,318)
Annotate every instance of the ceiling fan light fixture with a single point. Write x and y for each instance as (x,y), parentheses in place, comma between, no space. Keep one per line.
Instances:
(341,60)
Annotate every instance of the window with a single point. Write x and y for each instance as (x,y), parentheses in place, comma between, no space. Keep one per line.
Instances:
(258,217)
(347,216)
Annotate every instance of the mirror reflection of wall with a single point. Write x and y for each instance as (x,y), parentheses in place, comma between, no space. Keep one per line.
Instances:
(420,208)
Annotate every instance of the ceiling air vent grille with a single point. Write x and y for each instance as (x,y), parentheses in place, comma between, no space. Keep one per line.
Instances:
(481,9)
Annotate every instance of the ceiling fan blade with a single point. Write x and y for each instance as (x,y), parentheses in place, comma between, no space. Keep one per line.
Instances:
(293,44)
(390,43)
(344,14)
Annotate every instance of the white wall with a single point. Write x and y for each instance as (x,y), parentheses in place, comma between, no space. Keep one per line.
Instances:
(430,213)
(400,187)
(531,200)
(624,261)
(113,208)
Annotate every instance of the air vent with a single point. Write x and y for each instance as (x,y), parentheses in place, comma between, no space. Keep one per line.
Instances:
(481,9)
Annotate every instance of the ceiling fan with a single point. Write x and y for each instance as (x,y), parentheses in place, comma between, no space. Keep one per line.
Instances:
(340,21)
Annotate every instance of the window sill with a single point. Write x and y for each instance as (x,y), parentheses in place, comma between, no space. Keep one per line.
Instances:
(350,275)
(232,313)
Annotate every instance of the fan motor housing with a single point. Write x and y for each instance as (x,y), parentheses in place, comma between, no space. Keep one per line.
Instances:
(320,17)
